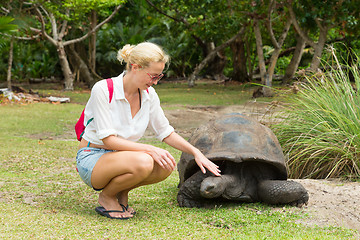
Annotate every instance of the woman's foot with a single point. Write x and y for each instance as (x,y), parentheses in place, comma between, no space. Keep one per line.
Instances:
(128,209)
(111,204)
(123,198)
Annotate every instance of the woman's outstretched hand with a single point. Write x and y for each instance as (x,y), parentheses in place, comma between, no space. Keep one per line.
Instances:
(204,163)
(180,143)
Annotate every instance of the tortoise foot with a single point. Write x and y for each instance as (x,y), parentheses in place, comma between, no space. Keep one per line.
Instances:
(184,201)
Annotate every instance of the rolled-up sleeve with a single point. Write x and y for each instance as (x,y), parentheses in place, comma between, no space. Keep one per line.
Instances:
(158,123)
(101,111)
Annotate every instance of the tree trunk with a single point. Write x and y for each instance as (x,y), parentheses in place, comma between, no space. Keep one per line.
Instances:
(206,60)
(80,64)
(319,46)
(278,45)
(272,65)
(92,42)
(266,91)
(65,67)
(216,64)
(240,73)
(198,68)
(248,59)
(260,53)
(315,62)
(295,60)
(259,50)
(11,54)
(57,39)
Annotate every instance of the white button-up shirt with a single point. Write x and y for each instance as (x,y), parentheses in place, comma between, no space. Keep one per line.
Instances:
(115,118)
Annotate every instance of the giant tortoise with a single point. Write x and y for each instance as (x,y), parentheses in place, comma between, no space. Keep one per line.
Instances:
(252,166)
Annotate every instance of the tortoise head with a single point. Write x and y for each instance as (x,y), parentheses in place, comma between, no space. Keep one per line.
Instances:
(213,187)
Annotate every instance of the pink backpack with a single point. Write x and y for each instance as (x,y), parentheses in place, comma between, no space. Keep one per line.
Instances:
(79,126)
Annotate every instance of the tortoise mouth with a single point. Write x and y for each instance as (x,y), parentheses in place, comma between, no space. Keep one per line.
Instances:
(212,187)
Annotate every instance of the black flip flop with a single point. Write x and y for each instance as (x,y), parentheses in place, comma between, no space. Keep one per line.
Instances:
(125,208)
(102,211)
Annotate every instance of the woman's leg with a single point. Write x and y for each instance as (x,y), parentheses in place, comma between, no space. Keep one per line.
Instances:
(119,172)
(157,175)
(116,171)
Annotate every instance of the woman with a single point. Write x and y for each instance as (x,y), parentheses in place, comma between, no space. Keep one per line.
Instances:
(109,158)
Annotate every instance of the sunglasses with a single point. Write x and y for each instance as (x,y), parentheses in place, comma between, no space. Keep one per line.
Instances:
(155,78)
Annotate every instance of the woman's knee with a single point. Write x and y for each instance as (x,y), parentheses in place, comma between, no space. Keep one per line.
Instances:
(165,173)
(159,174)
(143,164)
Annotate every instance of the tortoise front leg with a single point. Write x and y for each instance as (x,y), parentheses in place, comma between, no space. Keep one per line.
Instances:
(189,192)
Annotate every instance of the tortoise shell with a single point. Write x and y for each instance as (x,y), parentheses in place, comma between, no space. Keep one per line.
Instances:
(234,137)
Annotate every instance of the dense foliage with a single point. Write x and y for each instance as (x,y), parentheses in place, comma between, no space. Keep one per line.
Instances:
(188,30)
(320,130)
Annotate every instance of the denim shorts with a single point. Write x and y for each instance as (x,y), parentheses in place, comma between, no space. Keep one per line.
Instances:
(86,159)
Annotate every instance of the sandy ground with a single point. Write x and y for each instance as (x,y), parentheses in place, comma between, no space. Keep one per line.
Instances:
(332,202)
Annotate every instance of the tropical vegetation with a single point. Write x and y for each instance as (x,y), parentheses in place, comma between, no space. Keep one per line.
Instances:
(76,42)
(321,127)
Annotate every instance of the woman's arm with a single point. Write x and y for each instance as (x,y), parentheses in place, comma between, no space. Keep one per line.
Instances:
(161,156)
(176,141)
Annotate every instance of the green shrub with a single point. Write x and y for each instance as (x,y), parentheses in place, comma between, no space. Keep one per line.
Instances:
(321,127)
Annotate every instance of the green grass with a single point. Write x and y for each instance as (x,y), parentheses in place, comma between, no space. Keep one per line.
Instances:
(178,93)
(202,94)
(42,196)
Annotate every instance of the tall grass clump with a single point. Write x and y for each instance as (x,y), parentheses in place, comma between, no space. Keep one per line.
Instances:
(321,127)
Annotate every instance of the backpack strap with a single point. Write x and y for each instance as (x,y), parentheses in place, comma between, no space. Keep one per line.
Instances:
(79,126)
(110,85)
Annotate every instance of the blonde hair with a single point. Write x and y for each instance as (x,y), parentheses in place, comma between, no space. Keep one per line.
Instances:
(142,54)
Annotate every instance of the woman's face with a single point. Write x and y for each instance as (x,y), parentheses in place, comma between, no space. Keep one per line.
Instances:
(151,74)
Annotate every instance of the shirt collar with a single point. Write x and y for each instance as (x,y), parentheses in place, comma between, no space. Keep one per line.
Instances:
(119,89)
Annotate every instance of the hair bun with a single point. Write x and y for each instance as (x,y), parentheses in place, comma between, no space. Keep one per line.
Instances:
(124,53)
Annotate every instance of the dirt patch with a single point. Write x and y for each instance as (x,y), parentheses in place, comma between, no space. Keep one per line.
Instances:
(186,119)
(331,203)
